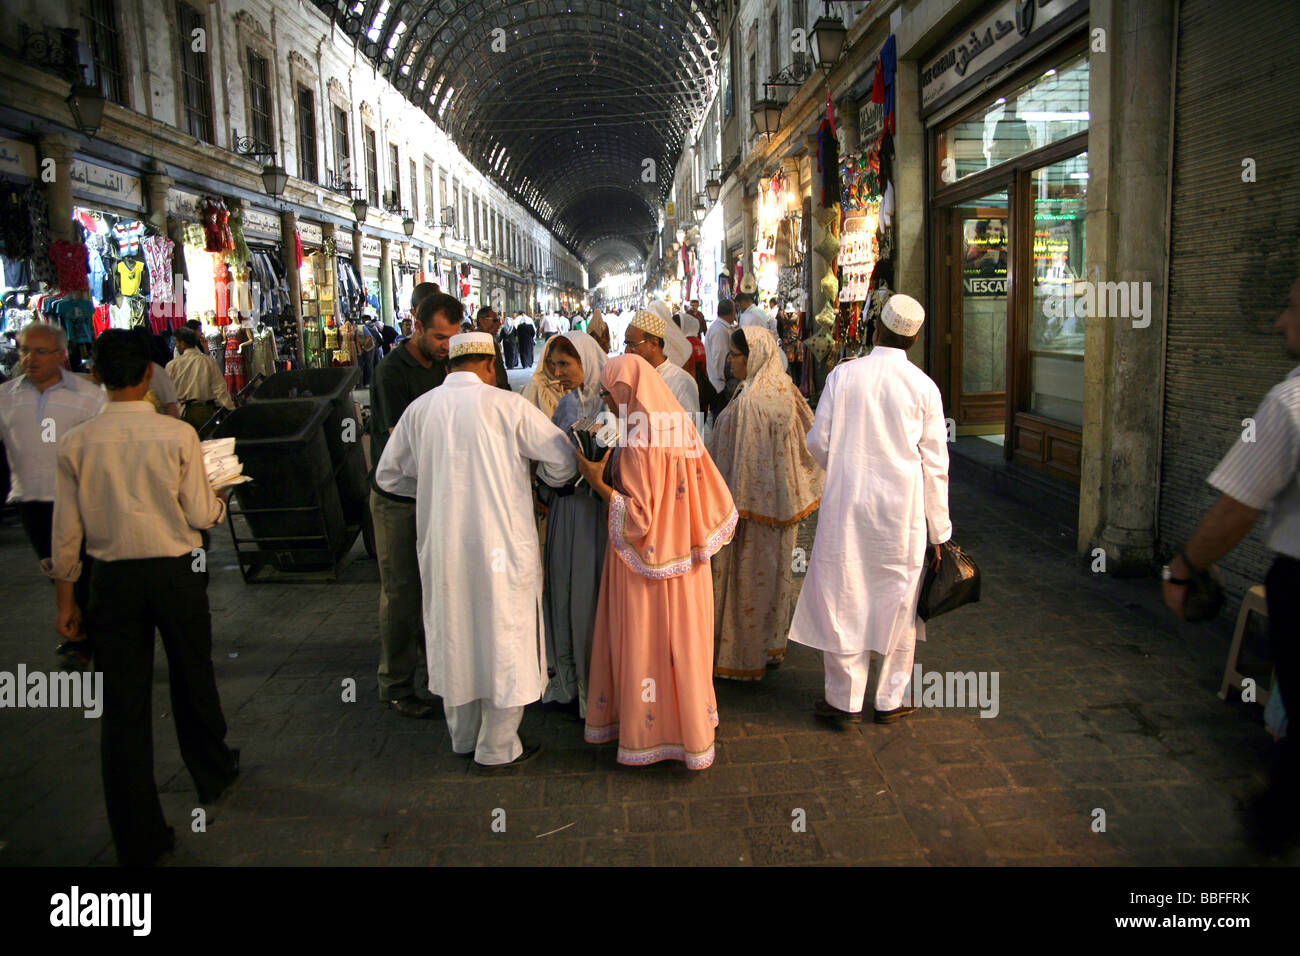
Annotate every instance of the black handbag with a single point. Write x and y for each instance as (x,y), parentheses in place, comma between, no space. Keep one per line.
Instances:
(956,582)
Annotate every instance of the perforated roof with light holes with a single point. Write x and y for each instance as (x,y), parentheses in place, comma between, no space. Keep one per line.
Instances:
(560,101)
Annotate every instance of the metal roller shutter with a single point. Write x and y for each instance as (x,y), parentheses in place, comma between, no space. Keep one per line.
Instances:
(1235,247)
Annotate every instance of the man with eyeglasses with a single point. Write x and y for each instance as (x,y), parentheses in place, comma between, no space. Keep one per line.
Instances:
(37,408)
(652,335)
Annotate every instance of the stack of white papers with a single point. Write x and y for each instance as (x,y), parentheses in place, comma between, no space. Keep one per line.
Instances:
(222,465)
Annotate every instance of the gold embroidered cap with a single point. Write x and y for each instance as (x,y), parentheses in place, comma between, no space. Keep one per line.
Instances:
(471,343)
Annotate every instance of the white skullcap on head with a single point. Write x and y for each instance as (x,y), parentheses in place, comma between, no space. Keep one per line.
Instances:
(903,315)
(471,343)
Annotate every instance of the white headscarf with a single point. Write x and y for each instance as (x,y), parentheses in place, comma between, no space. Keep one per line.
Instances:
(593,359)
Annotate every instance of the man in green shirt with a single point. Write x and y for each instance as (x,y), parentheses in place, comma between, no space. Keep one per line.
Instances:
(406,373)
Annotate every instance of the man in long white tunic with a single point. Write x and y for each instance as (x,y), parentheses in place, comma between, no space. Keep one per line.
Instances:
(880,434)
(480,564)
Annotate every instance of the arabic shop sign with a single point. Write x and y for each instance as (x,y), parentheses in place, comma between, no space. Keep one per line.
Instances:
(17,159)
(311,234)
(100,182)
(259,223)
(1013,22)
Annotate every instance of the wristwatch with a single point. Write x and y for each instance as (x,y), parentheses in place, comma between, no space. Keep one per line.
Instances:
(1167,574)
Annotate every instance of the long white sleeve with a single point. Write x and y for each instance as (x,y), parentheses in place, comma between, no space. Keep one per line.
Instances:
(544,443)
(396,470)
(934,467)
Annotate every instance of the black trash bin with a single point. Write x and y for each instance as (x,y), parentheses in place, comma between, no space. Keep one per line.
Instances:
(292,506)
(344,440)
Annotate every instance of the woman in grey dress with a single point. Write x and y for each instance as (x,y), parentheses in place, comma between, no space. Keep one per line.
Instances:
(576,532)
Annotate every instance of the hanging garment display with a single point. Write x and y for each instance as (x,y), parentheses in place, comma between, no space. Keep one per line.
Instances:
(72,265)
(216,225)
(158,258)
(127,233)
(131,276)
(235,380)
(75,315)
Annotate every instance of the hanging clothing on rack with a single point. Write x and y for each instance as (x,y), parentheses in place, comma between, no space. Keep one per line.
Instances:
(71,264)
(235,380)
(131,277)
(158,257)
(127,234)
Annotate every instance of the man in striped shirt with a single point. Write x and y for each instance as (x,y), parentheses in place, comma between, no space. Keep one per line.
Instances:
(1259,474)
(36,409)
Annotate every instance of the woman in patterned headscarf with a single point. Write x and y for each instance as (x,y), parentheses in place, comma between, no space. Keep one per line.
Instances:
(544,390)
(759,446)
(651,685)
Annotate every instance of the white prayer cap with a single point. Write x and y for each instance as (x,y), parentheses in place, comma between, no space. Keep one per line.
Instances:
(471,343)
(903,315)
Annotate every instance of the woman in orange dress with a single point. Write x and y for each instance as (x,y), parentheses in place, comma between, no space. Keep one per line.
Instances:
(651,677)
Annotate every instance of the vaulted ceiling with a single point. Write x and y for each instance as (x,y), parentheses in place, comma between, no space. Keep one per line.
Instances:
(578,108)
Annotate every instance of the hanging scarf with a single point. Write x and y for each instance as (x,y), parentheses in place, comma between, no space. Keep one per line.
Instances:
(671,508)
(759,441)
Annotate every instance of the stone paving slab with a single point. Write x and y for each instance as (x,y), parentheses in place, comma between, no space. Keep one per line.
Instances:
(1105,703)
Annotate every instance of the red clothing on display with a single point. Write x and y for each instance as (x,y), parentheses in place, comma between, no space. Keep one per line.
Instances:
(221,279)
(73,265)
(99,321)
(235,379)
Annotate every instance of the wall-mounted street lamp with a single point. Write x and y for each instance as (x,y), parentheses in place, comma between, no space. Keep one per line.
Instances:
(86,104)
(829,34)
(56,50)
(714,184)
(274,179)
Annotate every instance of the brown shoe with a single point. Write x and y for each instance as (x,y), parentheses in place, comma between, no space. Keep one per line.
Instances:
(827,712)
(411,706)
(898,713)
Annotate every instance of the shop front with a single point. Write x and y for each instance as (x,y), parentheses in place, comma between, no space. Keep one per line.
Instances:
(1008,200)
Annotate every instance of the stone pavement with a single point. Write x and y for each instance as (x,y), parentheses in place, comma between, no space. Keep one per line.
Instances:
(1105,702)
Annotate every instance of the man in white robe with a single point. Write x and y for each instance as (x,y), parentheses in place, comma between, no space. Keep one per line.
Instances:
(480,564)
(880,434)
(656,338)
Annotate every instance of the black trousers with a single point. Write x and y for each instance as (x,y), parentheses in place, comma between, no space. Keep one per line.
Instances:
(511,348)
(38,521)
(526,352)
(1282,590)
(128,600)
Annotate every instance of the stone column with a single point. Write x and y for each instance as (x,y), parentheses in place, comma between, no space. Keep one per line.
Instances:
(156,185)
(386,282)
(1130,97)
(58,190)
(288,231)
(356,248)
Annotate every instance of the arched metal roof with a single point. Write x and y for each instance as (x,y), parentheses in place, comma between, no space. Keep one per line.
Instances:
(565,103)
